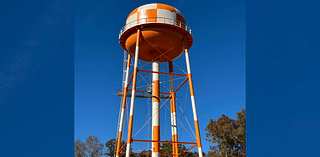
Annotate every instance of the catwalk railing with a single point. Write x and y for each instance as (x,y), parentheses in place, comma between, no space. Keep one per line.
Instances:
(155,20)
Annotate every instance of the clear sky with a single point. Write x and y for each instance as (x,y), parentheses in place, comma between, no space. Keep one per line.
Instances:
(38,42)
(217,62)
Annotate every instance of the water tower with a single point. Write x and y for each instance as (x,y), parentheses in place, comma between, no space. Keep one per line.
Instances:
(158,34)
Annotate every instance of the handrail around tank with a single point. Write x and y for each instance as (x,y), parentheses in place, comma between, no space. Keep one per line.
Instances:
(155,20)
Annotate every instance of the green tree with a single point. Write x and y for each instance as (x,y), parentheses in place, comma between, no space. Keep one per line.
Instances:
(196,154)
(145,152)
(80,148)
(111,148)
(188,153)
(94,147)
(185,154)
(229,135)
(166,148)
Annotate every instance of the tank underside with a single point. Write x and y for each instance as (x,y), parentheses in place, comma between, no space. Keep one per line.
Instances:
(161,43)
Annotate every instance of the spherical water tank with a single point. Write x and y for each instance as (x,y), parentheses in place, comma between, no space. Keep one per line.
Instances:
(164,33)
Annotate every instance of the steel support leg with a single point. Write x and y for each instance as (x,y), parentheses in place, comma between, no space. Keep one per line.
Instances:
(133,93)
(124,100)
(193,102)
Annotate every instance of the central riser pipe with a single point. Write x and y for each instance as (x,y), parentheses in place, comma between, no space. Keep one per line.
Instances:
(155,110)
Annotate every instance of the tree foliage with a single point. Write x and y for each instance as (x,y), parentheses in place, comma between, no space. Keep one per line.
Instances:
(229,135)
(166,148)
(95,148)
(91,148)
(111,147)
(80,148)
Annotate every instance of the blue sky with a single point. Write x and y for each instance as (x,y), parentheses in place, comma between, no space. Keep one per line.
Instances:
(217,62)
(39,39)
(36,64)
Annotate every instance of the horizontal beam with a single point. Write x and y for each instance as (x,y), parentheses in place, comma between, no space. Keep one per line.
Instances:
(145,96)
(148,154)
(163,141)
(151,154)
(147,92)
(162,73)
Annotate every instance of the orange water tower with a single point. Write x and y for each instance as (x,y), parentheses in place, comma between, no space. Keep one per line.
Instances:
(156,33)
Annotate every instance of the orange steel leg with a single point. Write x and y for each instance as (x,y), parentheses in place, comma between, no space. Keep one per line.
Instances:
(124,100)
(155,110)
(195,117)
(174,129)
(133,93)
